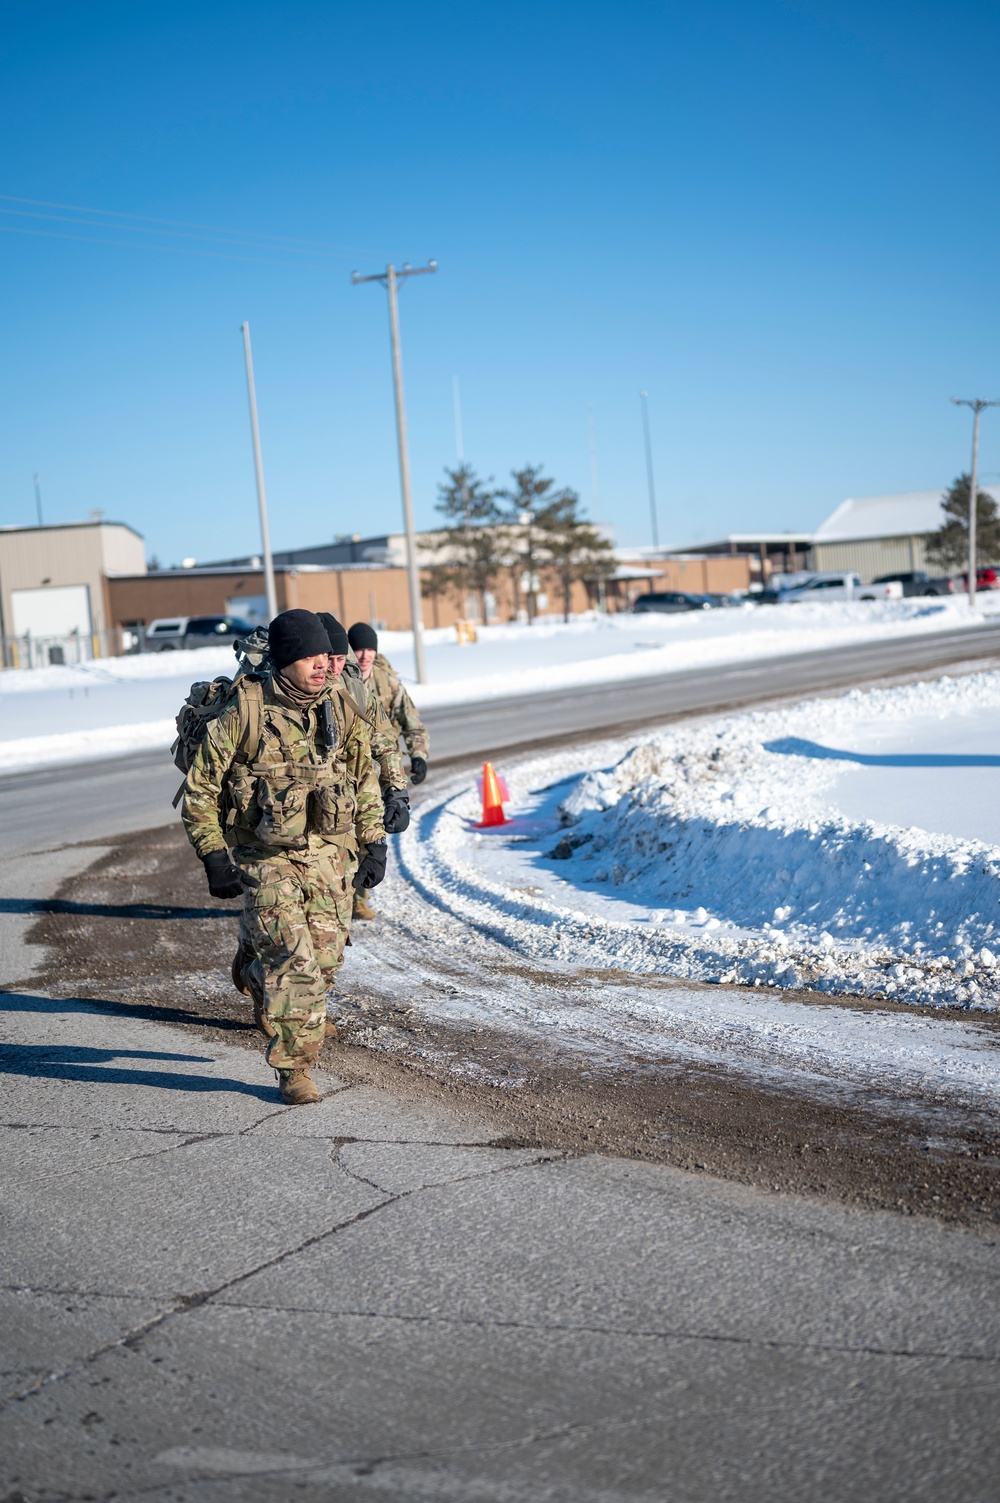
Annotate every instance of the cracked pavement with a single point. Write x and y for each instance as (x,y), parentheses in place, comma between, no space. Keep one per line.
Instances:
(209,1297)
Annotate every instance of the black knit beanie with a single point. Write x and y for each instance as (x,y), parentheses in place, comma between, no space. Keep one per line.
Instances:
(294,635)
(362,636)
(336,634)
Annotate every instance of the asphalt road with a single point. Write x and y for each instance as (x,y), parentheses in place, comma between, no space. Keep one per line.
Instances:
(65,805)
(215,1298)
(467,730)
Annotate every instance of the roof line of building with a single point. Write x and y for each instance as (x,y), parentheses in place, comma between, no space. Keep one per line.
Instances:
(205,570)
(61,526)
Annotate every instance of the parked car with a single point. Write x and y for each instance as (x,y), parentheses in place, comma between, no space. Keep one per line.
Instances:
(986,579)
(837,585)
(670,600)
(724,602)
(173,633)
(918,582)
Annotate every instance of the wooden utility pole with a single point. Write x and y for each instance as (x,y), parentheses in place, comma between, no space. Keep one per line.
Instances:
(390,279)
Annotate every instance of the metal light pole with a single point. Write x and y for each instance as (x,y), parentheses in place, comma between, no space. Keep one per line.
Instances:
(595,483)
(977,404)
(38,499)
(389,279)
(265,536)
(457,403)
(649,468)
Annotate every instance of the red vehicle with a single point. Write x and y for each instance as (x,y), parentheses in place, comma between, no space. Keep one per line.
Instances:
(986,579)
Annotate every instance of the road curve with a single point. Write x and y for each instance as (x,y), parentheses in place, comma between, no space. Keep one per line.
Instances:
(66,805)
(468,730)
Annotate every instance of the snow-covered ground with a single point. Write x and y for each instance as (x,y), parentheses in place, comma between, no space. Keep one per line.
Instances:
(847,845)
(116,705)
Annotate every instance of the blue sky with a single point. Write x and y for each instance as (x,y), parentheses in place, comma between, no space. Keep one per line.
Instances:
(779,219)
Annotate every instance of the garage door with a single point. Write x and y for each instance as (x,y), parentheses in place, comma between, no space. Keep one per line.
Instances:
(54,611)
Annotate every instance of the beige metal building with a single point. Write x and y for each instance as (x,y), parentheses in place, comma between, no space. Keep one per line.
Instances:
(54,603)
(878,534)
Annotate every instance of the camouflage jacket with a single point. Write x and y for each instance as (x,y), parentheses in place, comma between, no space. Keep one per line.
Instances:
(295,795)
(382,734)
(383,738)
(384,685)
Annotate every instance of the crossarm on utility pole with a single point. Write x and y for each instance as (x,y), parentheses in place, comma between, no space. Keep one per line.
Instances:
(390,279)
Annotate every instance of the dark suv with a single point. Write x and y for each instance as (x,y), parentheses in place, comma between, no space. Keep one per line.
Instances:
(671,600)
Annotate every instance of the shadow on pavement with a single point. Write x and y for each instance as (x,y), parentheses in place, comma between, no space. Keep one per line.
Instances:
(80,1063)
(25,1002)
(794,746)
(112,910)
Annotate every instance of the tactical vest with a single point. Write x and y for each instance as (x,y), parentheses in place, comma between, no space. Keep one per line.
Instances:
(289,789)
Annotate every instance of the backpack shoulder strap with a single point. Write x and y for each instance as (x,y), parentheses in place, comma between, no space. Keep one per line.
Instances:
(352,710)
(250,699)
(355,702)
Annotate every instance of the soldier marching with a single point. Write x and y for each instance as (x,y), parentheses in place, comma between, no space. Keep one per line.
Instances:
(283,806)
(386,688)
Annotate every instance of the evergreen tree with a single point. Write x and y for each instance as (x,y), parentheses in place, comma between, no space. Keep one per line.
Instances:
(547,531)
(437,580)
(948,548)
(471,537)
(576,550)
(528,504)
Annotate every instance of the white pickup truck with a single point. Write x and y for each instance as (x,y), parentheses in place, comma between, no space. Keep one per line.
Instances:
(841,585)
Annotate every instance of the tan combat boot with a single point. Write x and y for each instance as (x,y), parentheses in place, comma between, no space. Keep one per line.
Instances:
(296,1087)
(362,908)
(331,1029)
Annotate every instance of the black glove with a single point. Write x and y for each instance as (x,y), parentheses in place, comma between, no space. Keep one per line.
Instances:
(224,879)
(371,867)
(418,769)
(397,811)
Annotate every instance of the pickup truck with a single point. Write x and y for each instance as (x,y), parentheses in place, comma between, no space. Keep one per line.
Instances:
(174,633)
(918,582)
(841,585)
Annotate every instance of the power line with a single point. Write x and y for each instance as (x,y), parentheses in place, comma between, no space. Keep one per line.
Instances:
(182,224)
(170,250)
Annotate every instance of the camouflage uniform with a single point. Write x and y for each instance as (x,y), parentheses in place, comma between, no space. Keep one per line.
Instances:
(294,818)
(385,686)
(383,739)
(382,733)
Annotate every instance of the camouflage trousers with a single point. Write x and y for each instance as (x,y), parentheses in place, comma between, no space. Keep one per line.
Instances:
(296,916)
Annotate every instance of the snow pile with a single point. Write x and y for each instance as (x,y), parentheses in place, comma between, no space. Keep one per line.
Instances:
(716,852)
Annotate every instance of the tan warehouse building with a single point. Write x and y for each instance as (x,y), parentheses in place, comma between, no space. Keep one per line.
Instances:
(878,535)
(54,590)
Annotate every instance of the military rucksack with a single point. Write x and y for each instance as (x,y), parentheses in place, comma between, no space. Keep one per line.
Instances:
(205,703)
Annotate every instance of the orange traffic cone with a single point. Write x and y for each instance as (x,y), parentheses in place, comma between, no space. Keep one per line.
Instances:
(492,800)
